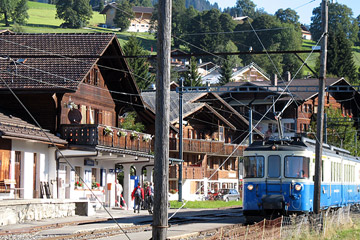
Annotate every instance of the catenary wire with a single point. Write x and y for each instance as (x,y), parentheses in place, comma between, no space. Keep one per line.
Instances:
(62,155)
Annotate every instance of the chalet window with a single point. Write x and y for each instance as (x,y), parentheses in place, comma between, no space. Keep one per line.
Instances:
(96,79)
(98,116)
(309,108)
(212,161)
(93,174)
(289,127)
(83,114)
(221,133)
(17,156)
(77,174)
(190,134)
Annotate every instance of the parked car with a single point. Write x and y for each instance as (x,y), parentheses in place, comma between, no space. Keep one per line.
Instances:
(228,195)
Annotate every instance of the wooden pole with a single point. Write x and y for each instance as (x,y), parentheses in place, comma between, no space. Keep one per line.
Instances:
(320,112)
(162,121)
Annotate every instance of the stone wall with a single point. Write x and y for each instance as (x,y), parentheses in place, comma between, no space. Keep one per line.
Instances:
(30,211)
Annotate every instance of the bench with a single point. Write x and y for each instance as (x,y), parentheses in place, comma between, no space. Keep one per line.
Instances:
(5,185)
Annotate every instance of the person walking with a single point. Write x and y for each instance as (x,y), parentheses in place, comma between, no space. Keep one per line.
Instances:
(149,196)
(119,190)
(138,195)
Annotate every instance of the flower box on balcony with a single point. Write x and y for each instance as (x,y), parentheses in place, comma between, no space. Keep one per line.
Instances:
(108,131)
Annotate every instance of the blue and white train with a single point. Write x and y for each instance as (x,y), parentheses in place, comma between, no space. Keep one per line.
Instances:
(278,178)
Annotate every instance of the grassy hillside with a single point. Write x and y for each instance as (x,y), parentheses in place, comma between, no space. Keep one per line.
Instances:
(307,45)
(42,20)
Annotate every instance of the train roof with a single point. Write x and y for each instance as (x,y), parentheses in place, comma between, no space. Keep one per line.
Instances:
(296,144)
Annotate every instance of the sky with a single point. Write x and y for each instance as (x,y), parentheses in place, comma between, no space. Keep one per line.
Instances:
(303,9)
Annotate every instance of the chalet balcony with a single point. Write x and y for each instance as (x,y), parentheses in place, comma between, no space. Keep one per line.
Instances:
(189,172)
(205,146)
(222,174)
(94,134)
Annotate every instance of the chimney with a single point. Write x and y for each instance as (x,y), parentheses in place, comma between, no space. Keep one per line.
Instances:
(288,76)
(274,81)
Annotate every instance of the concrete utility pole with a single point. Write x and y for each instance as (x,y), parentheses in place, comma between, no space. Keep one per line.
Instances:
(162,121)
(320,113)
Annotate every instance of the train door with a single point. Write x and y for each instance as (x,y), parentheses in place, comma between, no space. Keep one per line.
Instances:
(273,179)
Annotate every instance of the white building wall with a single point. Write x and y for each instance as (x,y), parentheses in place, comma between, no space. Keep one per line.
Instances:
(27,160)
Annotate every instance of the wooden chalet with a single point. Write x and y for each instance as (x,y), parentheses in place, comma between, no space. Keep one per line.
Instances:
(297,116)
(79,88)
(211,131)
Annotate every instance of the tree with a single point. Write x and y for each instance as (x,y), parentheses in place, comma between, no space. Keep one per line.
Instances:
(129,123)
(139,66)
(193,78)
(287,16)
(246,8)
(97,4)
(14,10)
(340,18)
(124,14)
(228,47)
(75,13)
(288,37)
(226,72)
(341,131)
(340,60)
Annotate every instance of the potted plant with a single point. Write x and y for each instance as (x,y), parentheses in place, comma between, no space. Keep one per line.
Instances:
(147,138)
(134,136)
(95,185)
(108,131)
(121,133)
(78,184)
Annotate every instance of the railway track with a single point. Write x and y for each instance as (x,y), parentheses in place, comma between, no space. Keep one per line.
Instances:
(183,224)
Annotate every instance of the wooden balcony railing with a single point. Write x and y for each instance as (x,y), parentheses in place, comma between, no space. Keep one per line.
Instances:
(93,134)
(188,172)
(206,146)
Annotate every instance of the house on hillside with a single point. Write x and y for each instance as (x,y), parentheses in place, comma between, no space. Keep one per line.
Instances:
(140,22)
(298,106)
(80,89)
(251,72)
(212,130)
(305,33)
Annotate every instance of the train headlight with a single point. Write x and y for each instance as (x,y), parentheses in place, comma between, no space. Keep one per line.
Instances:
(250,187)
(298,187)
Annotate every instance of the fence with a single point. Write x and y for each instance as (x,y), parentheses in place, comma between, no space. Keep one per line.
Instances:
(286,227)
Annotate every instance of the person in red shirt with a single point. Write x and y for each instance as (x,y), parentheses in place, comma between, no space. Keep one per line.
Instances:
(138,195)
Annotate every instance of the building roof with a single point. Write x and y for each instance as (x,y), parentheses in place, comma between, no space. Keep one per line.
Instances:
(14,127)
(135,8)
(189,107)
(142,9)
(214,75)
(53,61)
(308,82)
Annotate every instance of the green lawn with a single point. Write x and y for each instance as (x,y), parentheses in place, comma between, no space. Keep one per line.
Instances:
(42,20)
(206,204)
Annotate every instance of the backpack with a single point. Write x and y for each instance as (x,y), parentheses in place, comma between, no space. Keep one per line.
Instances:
(138,193)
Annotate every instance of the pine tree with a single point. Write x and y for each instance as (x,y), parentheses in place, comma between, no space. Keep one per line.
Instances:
(14,10)
(340,57)
(124,14)
(226,72)
(193,78)
(75,13)
(139,66)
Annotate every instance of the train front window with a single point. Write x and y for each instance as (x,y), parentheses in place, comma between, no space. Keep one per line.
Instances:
(296,167)
(254,167)
(274,166)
